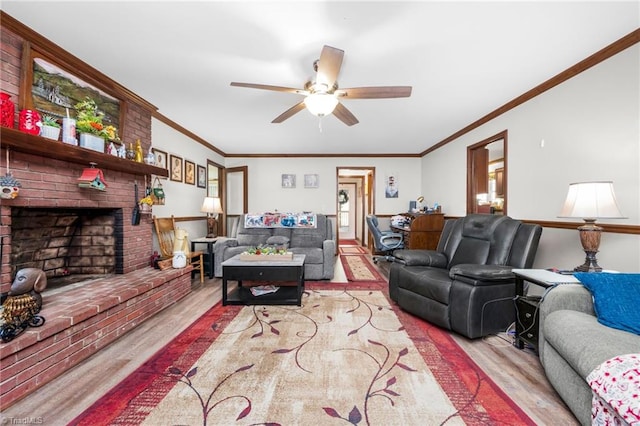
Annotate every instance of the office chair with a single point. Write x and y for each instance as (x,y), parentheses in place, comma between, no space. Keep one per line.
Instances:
(385,242)
(165,230)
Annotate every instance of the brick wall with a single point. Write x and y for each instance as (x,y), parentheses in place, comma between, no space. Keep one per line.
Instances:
(52,183)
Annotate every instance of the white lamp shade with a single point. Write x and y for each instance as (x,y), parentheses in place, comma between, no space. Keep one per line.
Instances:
(211,205)
(320,104)
(591,200)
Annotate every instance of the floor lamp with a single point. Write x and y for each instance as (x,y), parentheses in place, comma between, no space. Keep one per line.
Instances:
(591,201)
(211,206)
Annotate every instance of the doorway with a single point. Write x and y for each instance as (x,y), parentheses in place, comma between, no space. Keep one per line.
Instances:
(354,200)
(487,175)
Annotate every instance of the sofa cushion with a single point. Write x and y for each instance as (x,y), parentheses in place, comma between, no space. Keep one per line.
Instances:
(278,240)
(313,254)
(253,237)
(583,342)
(433,283)
(616,298)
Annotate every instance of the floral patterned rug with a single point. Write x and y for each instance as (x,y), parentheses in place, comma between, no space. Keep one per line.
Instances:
(347,356)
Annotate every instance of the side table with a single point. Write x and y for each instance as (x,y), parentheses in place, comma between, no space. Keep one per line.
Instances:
(208,256)
(527,325)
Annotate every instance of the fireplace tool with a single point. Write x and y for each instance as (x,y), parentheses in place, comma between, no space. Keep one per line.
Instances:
(135,217)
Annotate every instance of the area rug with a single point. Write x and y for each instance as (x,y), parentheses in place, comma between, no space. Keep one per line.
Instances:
(352,250)
(360,268)
(347,356)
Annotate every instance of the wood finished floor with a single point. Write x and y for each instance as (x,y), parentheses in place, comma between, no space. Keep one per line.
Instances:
(517,372)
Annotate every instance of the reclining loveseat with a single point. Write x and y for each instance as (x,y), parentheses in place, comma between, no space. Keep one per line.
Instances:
(466,284)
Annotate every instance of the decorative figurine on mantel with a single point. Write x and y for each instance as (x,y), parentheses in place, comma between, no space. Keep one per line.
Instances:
(23,303)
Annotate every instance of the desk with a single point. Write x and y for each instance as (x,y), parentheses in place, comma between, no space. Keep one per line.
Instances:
(423,230)
(527,318)
(208,256)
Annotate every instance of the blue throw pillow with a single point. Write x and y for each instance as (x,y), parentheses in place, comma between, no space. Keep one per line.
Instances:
(616,298)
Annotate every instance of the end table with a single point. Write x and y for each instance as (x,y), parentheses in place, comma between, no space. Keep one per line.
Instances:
(527,326)
(208,256)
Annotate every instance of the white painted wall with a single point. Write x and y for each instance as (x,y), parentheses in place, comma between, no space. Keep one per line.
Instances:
(266,192)
(591,131)
(182,199)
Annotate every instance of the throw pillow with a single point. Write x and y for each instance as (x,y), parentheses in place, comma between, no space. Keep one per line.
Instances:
(279,241)
(616,298)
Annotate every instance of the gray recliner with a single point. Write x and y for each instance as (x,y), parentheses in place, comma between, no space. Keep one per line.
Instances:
(466,284)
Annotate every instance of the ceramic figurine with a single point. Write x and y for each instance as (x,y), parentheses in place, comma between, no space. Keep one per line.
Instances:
(23,303)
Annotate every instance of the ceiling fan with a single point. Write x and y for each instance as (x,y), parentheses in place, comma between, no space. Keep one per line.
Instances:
(322,96)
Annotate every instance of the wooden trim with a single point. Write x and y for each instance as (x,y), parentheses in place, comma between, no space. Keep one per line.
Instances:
(600,56)
(359,155)
(607,227)
(166,120)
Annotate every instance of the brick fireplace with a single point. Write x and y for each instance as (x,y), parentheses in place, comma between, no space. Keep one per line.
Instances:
(64,229)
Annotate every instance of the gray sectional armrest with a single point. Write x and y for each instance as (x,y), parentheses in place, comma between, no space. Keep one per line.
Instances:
(490,273)
(573,297)
(421,258)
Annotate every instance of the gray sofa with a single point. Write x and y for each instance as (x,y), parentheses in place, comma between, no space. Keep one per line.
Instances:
(466,284)
(318,244)
(572,343)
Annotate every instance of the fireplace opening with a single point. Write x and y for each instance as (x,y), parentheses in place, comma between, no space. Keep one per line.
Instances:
(69,244)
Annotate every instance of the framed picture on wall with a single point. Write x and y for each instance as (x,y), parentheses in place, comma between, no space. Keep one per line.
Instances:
(176,168)
(202,176)
(288,181)
(311,181)
(160,158)
(189,172)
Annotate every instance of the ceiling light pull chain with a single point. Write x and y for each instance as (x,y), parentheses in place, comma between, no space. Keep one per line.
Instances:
(320,124)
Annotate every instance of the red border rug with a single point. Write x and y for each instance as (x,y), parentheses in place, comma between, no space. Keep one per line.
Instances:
(347,250)
(477,399)
(360,268)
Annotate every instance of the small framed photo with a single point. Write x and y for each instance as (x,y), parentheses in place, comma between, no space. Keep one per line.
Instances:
(311,181)
(189,172)
(160,158)
(176,168)
(202,176)
(288,181)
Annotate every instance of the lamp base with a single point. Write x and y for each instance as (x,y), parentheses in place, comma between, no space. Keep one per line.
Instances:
(590,264)
(212,227)
(590,238)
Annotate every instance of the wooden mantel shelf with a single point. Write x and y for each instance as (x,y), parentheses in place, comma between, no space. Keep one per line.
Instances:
(37,145)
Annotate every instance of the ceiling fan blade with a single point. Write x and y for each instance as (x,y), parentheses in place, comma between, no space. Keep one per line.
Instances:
(268,87)
(375,92)
(329,66)
(289,113)
(344,115)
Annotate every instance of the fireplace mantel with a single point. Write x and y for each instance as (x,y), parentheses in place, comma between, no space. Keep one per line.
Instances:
(37,145)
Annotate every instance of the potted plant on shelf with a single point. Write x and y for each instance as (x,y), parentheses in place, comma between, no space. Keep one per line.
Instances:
(89,125)
(50,127)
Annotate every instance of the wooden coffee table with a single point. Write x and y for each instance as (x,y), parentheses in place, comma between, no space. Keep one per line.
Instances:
(291,271)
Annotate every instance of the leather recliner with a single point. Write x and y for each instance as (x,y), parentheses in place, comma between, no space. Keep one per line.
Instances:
(466,284)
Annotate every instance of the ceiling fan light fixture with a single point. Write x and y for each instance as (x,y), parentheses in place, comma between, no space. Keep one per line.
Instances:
(321,104)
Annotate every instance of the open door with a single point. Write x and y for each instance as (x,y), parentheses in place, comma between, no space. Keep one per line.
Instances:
(237,196)
(356,183)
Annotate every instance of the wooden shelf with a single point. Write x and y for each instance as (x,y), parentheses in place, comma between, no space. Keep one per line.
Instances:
(37,145)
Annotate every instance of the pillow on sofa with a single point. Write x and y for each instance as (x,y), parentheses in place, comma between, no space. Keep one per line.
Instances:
(616,298)
(278,240)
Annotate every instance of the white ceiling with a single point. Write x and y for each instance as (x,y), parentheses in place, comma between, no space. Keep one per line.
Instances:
(463,59)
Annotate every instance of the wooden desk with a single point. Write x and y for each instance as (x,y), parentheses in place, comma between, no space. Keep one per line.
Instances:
(423,230)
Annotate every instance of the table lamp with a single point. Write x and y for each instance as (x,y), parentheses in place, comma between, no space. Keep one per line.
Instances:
(591,201)
(211,206)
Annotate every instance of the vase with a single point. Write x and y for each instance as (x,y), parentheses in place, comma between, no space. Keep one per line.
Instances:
(50,132)
(29,121)
(7,110)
